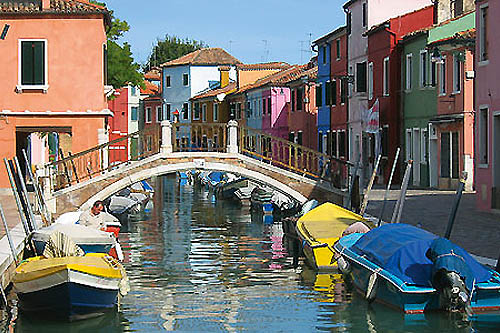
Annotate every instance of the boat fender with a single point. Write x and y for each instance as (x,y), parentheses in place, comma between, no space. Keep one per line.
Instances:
(344,266)
(119,252)
(371,289)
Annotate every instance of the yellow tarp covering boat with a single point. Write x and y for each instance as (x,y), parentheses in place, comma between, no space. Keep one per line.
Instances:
(320,228)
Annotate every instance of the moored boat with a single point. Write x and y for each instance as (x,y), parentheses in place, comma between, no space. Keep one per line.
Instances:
(414,270)
(319,229)
(71,288)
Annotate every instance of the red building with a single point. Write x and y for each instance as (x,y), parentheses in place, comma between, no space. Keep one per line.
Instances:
(303,110)
(338,114)
(384,78)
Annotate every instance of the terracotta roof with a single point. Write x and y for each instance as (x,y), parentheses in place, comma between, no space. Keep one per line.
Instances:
(263,66)
(150,88)
(214,92)
(208,56)
(153,75)
(276,79)
(56,7)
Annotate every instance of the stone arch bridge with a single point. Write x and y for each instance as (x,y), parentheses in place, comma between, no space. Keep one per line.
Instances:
(76,181)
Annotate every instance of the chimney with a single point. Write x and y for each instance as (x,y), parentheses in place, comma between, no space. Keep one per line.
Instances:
(224,75)
(45,4)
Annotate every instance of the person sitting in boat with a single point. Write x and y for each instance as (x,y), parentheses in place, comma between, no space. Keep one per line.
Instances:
(93,217)
(358,227)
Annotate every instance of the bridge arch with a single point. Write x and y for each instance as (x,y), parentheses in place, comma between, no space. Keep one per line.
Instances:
(164,169)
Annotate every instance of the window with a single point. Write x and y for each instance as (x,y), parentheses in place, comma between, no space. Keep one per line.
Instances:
(365,16)
(424,146)
(319,99)
(324,145)
(159,114)
(386,77)
(409,67)
(204,112)
(248,109)
(409,145)
(232,111)
(148,115)
(385,140)
(370,80)
(196,114)
(342,142)
(449,155)
(433,74)
(457,73)
(328,143)
(328,93)
(292,100)
(457,7)
(343,95)
(185,111)
(337,42)
(238,110)
(320,142)
(167,81)
(269,108)
(423,68)
(216,111)
(185,79)
(333,94)
(334,149)
(323,54)
(361,77)
(349,22)
(483,135)
(442,77)
(33,64)
(299,99)
(483,33)
(299,137)
(133,90)
(291,136)
(134,113)
(169,110)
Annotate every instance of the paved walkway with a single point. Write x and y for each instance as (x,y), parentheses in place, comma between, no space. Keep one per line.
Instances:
(478,232)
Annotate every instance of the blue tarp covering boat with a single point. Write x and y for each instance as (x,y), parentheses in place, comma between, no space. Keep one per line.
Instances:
(417,271)
(405,255)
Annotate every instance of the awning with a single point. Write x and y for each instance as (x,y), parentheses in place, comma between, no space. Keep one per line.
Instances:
(448,118)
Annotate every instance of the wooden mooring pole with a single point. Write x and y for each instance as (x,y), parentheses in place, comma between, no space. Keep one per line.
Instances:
(398,210)
(388,189)
(454,208)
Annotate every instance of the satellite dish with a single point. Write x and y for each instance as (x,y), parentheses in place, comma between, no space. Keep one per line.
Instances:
(221,97)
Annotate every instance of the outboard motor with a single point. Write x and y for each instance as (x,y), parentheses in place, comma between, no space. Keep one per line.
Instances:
(451,276)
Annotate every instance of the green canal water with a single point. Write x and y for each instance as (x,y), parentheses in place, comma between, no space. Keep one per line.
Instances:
(199,265)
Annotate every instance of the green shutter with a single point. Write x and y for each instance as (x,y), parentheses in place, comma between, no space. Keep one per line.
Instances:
(39,61)
(33,63)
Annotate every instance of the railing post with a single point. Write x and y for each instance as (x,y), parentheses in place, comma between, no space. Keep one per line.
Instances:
(166,137)
(232,146)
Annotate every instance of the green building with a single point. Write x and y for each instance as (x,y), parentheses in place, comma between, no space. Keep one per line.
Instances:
(419,105)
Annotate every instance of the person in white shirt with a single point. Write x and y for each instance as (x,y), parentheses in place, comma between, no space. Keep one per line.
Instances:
(93,217)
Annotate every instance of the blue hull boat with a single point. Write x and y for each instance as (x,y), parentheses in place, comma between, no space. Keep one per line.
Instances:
(397,264)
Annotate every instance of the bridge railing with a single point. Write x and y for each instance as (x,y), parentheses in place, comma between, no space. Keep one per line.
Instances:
(72,169)
(203,137)
(293,157)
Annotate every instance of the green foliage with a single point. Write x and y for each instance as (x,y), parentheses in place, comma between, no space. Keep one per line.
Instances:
(121,66)
(171,47)
(122,69)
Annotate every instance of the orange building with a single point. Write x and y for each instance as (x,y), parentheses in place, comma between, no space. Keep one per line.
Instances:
(53,78)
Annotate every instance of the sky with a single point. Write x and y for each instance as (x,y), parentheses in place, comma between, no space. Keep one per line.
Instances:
(251,30)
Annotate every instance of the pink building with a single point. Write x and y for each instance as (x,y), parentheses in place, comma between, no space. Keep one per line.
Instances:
(487,71)
(53,77)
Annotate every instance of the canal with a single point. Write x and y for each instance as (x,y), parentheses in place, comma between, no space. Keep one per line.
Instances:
(199,265)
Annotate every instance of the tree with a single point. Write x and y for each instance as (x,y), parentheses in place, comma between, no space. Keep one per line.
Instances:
(171,47)
(122,69)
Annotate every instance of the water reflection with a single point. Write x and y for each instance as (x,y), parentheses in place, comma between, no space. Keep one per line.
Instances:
(199,265)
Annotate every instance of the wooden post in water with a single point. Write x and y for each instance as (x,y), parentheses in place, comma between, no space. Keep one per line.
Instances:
(398,210)
(16,196)
(388,189)
(24,194)
(355,173)
(454,208)
(369,187)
